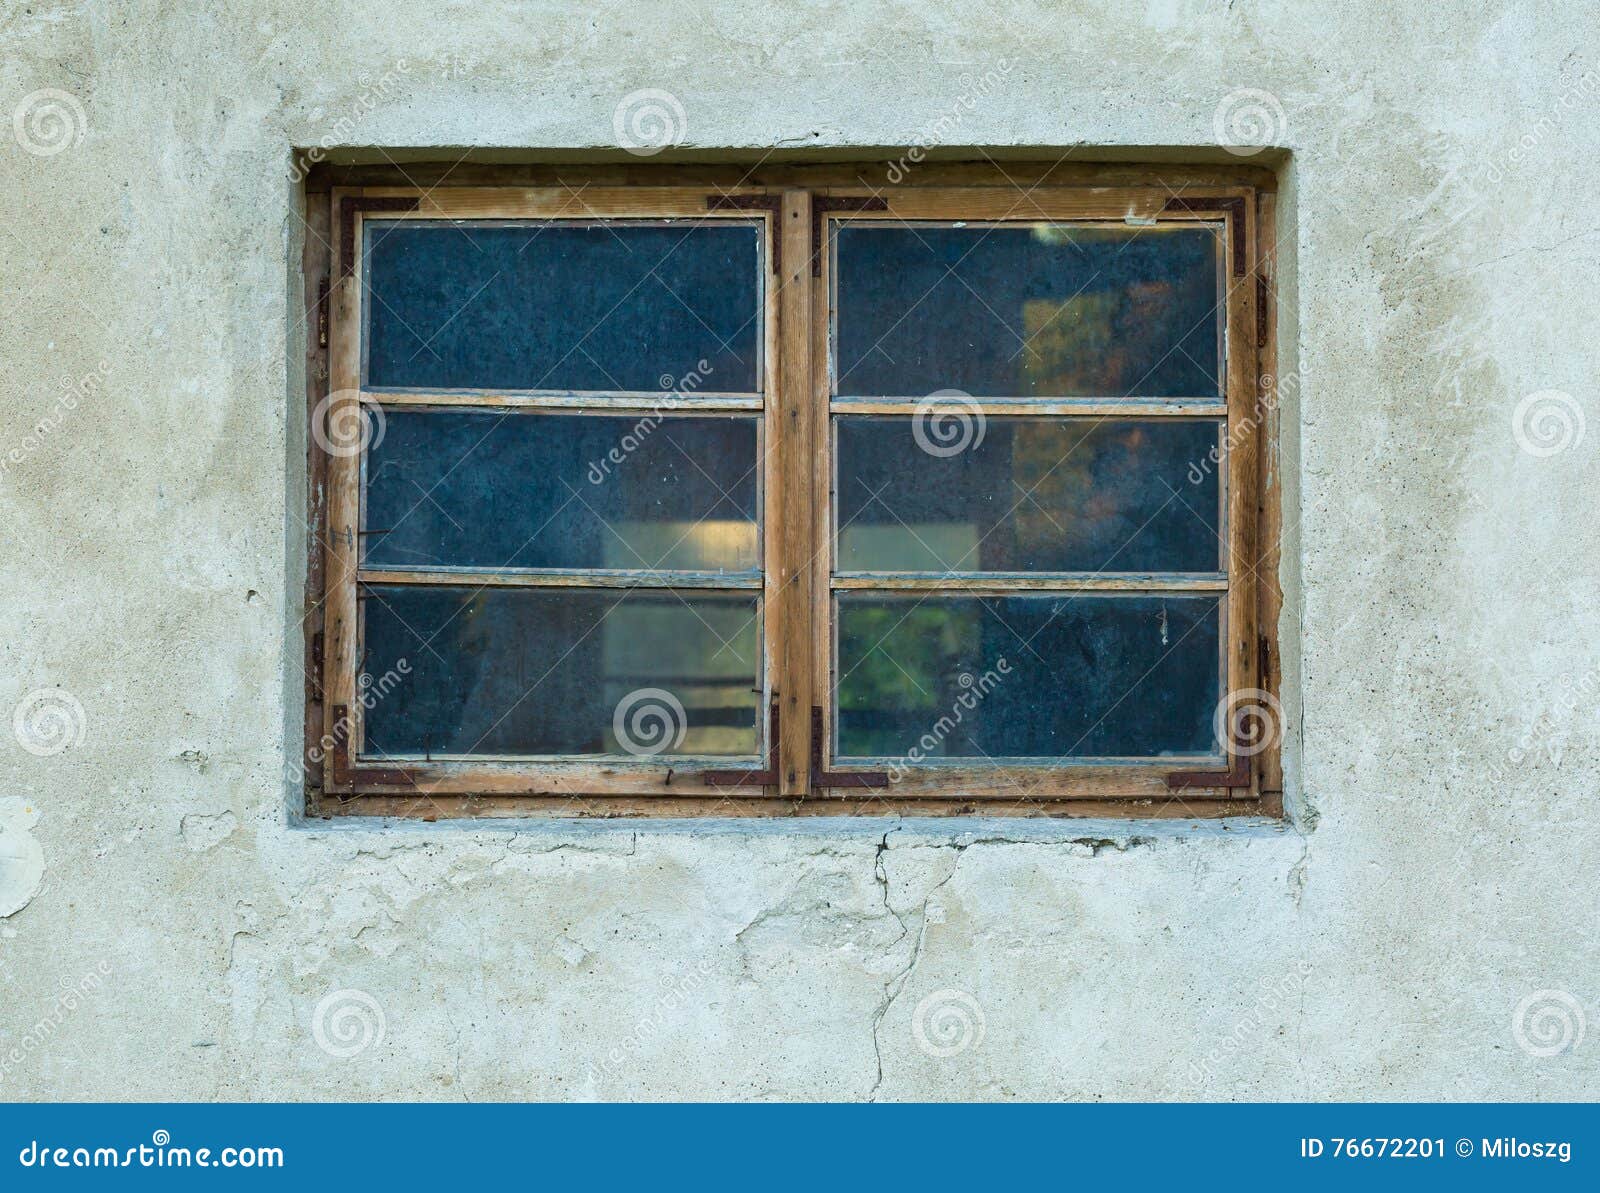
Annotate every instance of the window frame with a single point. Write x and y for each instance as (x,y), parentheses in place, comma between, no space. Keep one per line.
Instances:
(795,439)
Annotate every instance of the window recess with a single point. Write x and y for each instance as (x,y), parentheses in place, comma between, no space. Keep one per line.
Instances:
(796,497)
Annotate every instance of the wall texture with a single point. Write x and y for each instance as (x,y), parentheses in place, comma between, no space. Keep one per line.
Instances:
(1423,927)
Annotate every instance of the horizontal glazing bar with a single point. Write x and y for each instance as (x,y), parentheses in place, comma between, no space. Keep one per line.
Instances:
(1030,582)
(560,578)
(600,400)
(1070,407)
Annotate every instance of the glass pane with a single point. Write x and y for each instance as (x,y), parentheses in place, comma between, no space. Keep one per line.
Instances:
(1030,494)
(1020,310)
(560,671)
(1027,676)
(482,489)
(540,305)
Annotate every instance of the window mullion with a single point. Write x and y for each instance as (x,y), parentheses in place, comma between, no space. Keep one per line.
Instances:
(791,507)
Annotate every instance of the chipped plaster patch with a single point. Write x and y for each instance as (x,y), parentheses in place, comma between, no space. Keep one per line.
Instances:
(203,830)
(21,858)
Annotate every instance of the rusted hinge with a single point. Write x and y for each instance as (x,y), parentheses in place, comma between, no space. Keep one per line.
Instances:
(751,778)
(772,203)
(1233,207)
(342,775)
(1237,776)
(822,204)
(322,313)
(350,207)
(822,777)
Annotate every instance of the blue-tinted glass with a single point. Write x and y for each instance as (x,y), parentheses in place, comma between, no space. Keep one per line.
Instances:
(1028,310)
(1027,676)
(1030,494)
(562,306)
(538,490)
(546,671)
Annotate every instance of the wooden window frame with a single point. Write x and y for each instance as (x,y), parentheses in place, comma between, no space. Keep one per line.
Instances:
(798,209)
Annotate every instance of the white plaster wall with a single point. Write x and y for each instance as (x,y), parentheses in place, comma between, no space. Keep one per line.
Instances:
(168,932)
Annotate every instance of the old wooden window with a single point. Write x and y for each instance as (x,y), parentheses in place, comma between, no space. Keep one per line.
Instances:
(790,491)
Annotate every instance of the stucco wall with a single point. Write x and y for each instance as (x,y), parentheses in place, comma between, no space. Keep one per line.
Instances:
(1423,927)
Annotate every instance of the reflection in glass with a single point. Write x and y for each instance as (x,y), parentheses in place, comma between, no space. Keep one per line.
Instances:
(1019,310)
(1034,494)
(552,305)
(524,489)
(1067,676)
(536,671)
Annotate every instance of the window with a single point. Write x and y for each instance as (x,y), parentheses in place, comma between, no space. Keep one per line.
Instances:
(780,493)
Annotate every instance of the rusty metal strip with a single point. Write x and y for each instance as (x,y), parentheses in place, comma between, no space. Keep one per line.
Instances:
(342,775)
(822,204)
(1233,207)
(1238,776)
(768,203)
(751,778)
(822,777)
(355,205)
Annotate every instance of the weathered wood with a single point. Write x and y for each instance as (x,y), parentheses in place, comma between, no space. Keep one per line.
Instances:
(797,463)
(559,578)
(1096,408)
(983,583)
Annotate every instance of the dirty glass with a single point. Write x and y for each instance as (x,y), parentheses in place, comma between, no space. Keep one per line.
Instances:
(542,305)
(1030,494)
(1026,676)
(468,670)
(1028,310)
(529,489)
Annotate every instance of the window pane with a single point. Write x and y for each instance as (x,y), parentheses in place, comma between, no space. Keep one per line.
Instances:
(1030,494)
(481,489)
(1048,310)
(560,671)
(541,305)
(1027,676)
